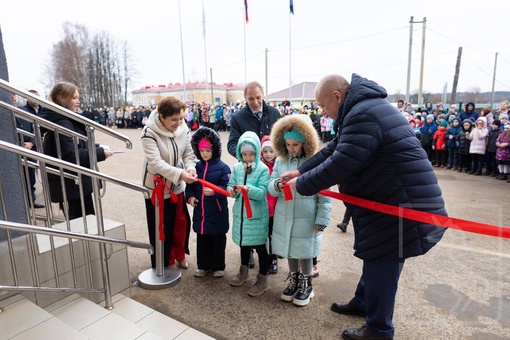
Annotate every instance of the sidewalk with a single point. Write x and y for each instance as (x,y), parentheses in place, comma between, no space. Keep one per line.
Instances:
(460,290)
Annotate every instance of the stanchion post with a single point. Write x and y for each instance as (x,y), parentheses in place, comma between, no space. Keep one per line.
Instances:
(159,277)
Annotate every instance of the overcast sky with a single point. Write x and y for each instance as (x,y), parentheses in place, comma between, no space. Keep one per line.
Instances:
(370,38)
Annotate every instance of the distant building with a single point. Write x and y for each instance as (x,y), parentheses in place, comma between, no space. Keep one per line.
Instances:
(299,95)
(197,92)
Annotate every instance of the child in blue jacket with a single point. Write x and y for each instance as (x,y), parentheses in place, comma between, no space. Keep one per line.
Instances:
(210,216)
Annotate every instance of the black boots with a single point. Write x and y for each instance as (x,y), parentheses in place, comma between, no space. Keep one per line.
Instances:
(305,291)
(273,264)
(292,288)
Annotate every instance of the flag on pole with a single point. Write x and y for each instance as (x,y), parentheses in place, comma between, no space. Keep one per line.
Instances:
(246,9)
(291,7)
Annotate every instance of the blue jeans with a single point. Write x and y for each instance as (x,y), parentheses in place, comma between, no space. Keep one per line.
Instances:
(376,293)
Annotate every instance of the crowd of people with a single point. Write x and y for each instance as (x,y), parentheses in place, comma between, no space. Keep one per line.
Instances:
(466,141)
(279,172)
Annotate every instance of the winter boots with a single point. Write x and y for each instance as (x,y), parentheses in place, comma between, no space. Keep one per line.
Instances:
(273,264)
(239,279)
(305,291)
(260,286)
(292,288)
(299,291)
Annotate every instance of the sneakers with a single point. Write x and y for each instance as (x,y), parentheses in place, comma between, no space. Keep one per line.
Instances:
(260,286)
(183,264)
(201,272)
(343,226)
(218,273)
(240,277)
(305,291)
(273,264)
(292,288)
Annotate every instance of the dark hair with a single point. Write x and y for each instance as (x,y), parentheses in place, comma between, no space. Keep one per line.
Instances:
(170,106)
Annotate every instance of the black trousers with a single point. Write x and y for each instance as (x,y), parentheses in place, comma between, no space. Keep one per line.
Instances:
(211,252)
(263,257)
(176,237)
(75,207)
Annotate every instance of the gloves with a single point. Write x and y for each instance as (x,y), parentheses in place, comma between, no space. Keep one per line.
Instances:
(433,147)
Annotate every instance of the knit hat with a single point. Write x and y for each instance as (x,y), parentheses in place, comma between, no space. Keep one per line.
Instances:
(441,116)
(294,134)
(507,125)
(444,123)
(204,144)
(430,116)
(503,115)
(247,147)
(266,144)
(496,122)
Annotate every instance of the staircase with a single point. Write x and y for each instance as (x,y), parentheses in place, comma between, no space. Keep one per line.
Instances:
(76,318)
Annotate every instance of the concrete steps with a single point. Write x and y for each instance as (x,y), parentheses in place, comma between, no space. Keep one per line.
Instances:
(75,317)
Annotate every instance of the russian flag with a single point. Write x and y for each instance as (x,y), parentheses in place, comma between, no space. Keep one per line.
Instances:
(246,9)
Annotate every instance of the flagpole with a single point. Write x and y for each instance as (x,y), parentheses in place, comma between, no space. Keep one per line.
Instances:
(182,55)
(290,60)
(244,34)
(205,47)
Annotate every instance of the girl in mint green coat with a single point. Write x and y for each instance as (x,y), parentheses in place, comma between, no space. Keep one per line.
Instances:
(252,175)
(300,222)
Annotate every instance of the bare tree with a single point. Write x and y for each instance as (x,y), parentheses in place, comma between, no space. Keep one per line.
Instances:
(95,64)
(473,94)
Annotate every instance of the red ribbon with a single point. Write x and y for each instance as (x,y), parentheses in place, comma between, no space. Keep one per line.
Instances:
(214,187)
(247,204)
(159,193)
(222,191)
(287,192)
(421,216)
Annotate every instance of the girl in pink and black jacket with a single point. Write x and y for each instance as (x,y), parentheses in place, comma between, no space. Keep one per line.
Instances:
(210,216)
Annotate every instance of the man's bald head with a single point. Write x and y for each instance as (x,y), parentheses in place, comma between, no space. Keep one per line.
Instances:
(330,93)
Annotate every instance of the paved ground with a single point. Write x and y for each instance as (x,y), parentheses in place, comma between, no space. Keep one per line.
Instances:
(460,290)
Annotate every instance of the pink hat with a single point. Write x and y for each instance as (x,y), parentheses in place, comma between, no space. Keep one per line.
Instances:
(204,144)
(267,144)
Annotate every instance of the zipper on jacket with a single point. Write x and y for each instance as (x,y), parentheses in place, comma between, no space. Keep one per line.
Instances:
(202,199)
(242,212)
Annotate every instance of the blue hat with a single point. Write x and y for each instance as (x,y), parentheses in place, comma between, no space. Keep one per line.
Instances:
(294,134)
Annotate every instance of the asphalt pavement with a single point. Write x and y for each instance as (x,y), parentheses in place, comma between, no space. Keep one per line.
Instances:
(459,290)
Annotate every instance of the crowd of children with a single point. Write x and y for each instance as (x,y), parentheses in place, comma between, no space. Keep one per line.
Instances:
(270,224)
(468,141)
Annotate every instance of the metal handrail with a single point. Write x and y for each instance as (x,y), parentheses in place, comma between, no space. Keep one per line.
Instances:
(71,166)
(73,235)
(65,112)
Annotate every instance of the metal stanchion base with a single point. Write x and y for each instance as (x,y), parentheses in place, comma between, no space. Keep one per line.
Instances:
(149,280)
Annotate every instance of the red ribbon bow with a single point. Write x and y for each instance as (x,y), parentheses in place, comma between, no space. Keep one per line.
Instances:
(159,193)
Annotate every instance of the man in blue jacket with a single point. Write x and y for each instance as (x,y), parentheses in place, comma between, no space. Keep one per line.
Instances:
(375,156)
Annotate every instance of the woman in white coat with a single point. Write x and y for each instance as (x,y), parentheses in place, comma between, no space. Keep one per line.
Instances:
(169,158)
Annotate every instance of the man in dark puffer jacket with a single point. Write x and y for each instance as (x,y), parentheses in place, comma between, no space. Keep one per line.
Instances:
(376,156)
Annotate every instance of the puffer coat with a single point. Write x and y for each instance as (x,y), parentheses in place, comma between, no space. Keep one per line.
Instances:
(294,234)
(377,157)
(166,153)
(210,216)
(478,137)
(250,231)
